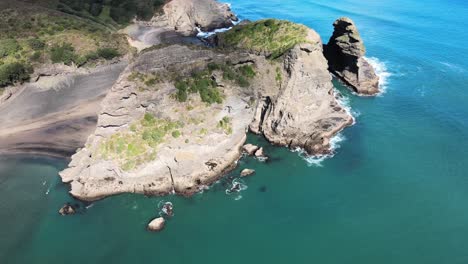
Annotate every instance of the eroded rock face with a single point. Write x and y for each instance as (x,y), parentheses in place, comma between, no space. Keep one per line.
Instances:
(345,54)
(305,113)
(186,15)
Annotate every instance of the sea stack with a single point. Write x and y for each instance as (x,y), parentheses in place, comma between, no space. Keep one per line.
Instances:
(345,54)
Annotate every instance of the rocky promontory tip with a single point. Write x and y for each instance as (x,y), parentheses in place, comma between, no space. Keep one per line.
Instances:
(345,54)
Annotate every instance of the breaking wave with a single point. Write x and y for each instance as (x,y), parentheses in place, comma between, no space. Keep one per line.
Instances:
(203,34)
(317,160)
(382,71)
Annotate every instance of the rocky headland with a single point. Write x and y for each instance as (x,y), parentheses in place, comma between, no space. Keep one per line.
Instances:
(174,118)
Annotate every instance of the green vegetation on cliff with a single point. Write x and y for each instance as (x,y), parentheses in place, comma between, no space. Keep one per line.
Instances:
(31,36)
(13,72)
(139,145)
(111,12)
(270,37)
(201,82)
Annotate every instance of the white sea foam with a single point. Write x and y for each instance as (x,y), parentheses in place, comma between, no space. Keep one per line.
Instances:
(452,66)
(242,187)
(203,34)
(345,103)
(317,160)
(382,71)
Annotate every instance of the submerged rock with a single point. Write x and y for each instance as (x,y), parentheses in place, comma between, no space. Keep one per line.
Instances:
(156,224)
(67,209)
(247,172)
(345,54)
(168,209)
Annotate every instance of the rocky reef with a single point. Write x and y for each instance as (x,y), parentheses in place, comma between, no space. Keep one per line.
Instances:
(345,54)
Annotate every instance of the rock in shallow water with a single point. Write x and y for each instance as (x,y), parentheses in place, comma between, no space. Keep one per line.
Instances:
(67,209)
(247,172)
(156,224)
(250,149)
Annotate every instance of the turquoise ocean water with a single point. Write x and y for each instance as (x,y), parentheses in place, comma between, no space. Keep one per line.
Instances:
(395,192)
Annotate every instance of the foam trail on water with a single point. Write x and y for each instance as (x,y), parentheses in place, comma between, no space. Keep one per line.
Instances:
(382,71)
(345,103)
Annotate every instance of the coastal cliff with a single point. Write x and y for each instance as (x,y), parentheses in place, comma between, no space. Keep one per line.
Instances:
(177,118)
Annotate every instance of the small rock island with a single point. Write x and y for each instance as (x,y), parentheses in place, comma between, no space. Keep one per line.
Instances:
(178,113)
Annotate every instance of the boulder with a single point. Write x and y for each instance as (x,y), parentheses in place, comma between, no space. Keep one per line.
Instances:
(345,54)
(156,224)
(250,149)
(247,172)
(67,209)
(259,153)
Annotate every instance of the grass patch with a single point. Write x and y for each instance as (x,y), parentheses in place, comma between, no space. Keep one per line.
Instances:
(201,82)
(270,37)
(139,145)
(226,124)
(111,12)
(33,37)
(145,81)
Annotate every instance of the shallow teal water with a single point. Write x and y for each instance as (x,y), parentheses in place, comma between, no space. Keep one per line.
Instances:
(395,192)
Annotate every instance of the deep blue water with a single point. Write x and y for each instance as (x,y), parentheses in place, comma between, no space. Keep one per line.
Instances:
(395,192)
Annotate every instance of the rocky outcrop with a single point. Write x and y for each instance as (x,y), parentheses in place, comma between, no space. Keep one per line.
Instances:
(345,54)
(67,209)
(260,153)
(249,149)
(185,16)
(290,101)
(247,172)
(156,224)
(305,114)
